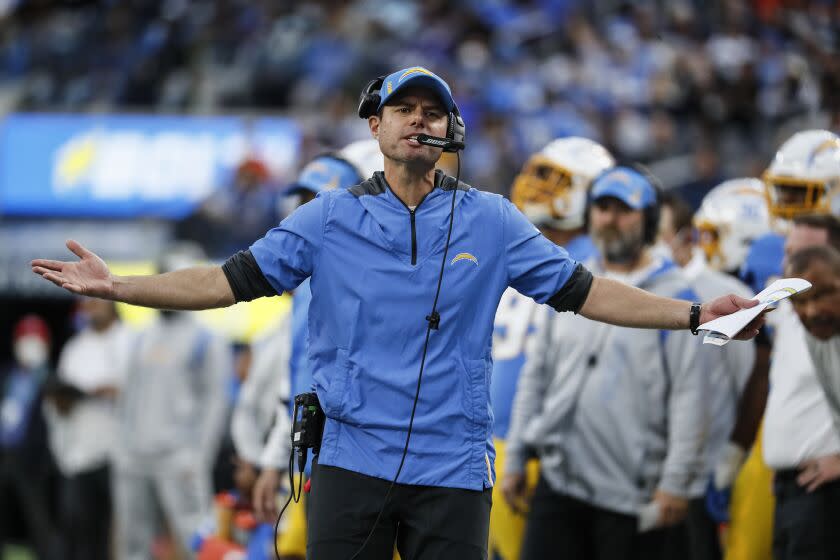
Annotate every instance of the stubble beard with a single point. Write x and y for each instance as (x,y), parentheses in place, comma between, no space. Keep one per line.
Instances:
(618,248)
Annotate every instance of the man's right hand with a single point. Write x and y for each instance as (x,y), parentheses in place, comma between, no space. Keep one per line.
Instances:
(264,498)
(514,489)
(89,276)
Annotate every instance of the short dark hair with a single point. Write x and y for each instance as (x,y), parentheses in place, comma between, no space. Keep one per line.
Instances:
(828,222)
(681,213)
(801,260)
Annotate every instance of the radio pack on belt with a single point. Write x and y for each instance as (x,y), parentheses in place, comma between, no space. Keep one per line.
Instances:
(308,426)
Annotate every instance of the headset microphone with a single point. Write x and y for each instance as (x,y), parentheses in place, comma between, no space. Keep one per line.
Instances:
(438,142)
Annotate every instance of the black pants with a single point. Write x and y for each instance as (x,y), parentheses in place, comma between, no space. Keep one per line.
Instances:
(806,526)
(85,508)
(425,522)
(560,526)
(694,539)
(28,485)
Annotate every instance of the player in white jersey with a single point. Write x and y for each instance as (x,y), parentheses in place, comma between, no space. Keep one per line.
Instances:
(551,191)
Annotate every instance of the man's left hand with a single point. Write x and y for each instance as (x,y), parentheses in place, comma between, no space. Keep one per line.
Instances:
(727,305)
(816,472)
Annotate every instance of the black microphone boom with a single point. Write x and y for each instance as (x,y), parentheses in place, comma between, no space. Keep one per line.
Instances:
(438,142)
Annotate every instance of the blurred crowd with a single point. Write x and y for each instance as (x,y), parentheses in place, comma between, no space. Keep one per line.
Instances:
(672,83)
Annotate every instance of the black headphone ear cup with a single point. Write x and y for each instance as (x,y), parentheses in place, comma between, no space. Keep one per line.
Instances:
(456,129)
(369,99)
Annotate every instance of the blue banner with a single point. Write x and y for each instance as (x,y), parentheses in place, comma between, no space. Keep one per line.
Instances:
(132,165)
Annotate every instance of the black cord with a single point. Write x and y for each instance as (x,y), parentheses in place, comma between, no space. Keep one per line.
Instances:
(433,320)
(291,490)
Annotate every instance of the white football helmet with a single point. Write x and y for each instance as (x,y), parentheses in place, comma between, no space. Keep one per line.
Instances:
(552,186)
(804,176)
(365,156)
(732,215)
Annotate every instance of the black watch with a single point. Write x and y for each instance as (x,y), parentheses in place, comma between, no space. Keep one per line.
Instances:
(694,317)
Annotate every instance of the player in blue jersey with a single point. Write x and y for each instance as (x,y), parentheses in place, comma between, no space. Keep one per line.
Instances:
(551,191)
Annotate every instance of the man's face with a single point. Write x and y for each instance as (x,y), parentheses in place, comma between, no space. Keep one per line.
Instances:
(413,112)
(617,230)
(100,312)
(819,307)
(801,237)
(678,243)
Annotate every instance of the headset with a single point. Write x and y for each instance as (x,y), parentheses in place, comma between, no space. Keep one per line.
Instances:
(370,99)
(651,213)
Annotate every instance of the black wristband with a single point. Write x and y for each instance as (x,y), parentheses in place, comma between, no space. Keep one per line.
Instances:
(694,317)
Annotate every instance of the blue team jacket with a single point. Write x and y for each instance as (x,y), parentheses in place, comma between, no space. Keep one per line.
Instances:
(374,268)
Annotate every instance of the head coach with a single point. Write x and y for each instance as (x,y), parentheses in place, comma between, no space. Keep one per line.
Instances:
(380,258)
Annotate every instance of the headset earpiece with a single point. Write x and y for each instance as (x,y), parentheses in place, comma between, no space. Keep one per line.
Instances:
(456,129)
(369,99)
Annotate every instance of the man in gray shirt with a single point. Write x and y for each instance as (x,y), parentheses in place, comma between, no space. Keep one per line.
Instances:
(172,414)
(615,415)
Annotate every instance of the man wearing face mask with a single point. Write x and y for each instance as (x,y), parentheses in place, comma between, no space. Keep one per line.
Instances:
(615,415)
(24,456)
(171,420)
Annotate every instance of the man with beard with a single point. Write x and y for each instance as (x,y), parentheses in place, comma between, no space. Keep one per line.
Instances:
(615,414)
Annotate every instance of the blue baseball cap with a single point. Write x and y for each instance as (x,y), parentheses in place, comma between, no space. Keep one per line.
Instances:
(324,173)
(419,77)
(627,185)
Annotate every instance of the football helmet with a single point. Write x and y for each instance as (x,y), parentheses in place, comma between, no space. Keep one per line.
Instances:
(365,156)
(731,216)
(804,176)
(551,188)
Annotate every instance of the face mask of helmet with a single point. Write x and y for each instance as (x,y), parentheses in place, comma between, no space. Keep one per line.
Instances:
(543,192)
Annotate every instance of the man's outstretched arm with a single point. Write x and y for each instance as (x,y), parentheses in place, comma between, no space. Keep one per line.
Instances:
(616,303)
(195,288)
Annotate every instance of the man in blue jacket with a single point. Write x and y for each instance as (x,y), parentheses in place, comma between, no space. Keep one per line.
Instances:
(374,255)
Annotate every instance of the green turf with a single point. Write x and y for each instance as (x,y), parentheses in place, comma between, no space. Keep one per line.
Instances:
(16,553)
